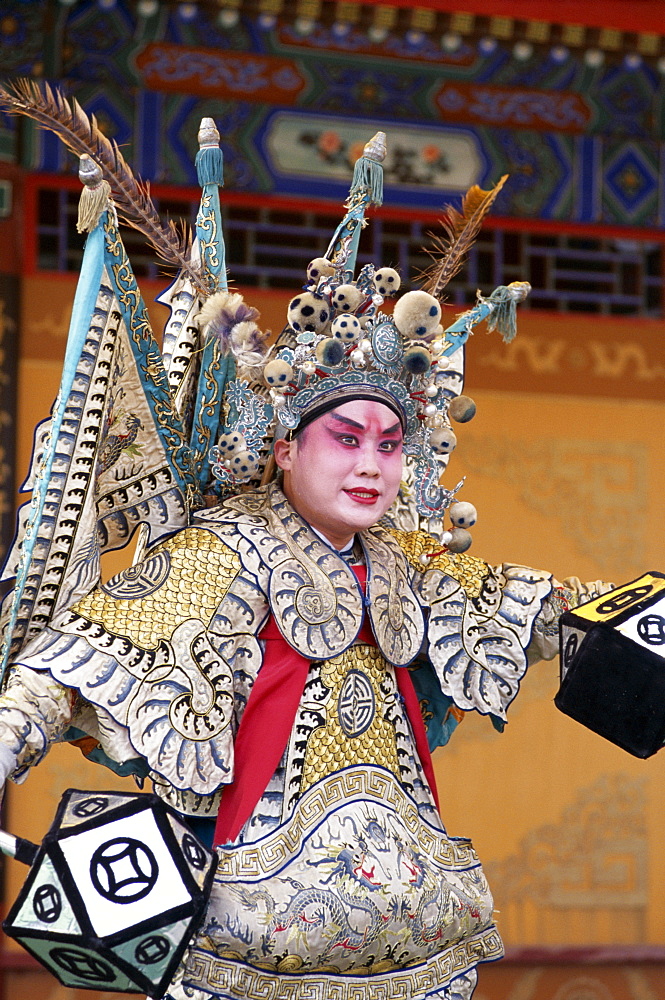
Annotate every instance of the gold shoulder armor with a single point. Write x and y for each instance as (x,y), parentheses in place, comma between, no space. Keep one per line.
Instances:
(424,552)
(183,577)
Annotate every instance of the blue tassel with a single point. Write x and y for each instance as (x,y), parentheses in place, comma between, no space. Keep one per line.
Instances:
(504,316)
(368,177)
(210,166)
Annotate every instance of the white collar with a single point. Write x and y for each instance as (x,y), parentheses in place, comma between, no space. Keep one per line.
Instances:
(345,553)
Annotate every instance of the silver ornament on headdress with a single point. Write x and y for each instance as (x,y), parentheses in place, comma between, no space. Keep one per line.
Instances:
(90,173)
(95,196)
(208,133)
(376,148)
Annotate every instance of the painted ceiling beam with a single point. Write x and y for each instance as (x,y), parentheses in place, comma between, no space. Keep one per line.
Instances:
(623,15)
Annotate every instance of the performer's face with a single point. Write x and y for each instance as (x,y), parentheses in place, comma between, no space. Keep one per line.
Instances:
(343,471)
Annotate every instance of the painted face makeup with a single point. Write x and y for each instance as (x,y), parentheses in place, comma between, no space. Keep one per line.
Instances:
(343,472)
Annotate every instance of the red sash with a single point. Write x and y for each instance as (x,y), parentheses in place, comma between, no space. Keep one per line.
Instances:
(266,724)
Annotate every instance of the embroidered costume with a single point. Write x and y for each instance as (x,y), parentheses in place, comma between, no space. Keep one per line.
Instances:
(267,686)
(338,867)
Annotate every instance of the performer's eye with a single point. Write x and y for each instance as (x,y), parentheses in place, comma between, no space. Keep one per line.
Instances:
(349,439)
(389,446)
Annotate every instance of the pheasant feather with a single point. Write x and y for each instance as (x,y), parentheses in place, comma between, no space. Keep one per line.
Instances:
(448,252)
(81,134)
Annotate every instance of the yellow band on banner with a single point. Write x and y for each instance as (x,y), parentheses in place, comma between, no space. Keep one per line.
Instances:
(616,601)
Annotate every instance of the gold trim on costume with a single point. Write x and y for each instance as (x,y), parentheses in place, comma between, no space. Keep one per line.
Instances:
(250,861)
(230,977)
(469,571)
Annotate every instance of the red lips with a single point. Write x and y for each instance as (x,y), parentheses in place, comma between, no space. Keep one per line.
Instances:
(363,495)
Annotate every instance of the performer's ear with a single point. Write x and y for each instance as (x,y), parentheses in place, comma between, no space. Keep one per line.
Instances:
(283,451)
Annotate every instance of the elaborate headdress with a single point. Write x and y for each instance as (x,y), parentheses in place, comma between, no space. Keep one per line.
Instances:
(339,345)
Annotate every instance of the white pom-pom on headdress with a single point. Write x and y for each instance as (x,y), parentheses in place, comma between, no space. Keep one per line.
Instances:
(319,268)
(247,343)
(417,314)
(212,307)
(225,315)
(387,281)
(347,298)
(308,311)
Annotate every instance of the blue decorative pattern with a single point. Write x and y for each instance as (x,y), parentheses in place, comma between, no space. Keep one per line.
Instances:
(545,103)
